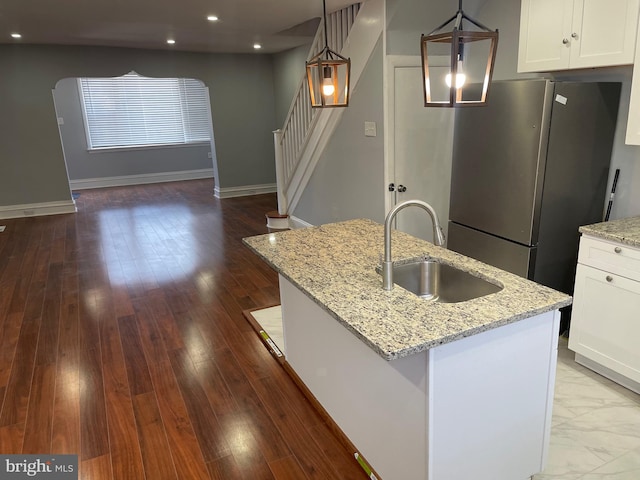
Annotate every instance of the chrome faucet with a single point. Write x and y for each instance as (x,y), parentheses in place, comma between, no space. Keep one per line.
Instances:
(438,236)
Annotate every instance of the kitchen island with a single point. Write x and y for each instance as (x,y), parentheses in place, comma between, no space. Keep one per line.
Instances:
(422,389)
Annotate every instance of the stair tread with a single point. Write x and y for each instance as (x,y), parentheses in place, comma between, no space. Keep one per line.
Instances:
(275,214)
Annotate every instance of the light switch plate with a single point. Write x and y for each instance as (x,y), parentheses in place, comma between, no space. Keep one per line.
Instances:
(370,129)
(2,227)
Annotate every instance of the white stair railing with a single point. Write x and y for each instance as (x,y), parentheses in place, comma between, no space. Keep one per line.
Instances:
(292,139)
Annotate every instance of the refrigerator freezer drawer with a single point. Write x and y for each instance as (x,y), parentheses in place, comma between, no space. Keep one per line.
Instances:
(510,256)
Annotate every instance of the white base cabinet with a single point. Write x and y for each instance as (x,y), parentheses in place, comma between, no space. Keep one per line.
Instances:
(605,322)
(569,34)
(476,408)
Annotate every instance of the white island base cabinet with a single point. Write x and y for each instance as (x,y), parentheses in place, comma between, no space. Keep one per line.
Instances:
(476,408)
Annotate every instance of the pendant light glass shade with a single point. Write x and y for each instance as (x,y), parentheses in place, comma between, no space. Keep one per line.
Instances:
(471,56)
(328,76)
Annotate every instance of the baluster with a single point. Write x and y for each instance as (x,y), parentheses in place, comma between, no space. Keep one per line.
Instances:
(335,37)
(298,128)
(301,127)
(289,157)
(294,136)
(306,118)
(348,21)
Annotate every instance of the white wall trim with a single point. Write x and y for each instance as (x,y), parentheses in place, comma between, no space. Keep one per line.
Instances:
(244,190)
(296,222)
(142,179)
(37,209)
(391,63)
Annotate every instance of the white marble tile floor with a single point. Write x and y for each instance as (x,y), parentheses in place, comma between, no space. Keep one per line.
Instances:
(270,319)
(595,433)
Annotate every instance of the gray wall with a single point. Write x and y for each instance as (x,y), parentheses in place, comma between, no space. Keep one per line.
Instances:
(288,72)
(83,164)
(348,181)
(408,19)
(32,168)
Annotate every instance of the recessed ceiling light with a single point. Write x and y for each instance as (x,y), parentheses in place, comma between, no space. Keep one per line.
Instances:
(171,41)
(212,18)
(257,46)
(16,35)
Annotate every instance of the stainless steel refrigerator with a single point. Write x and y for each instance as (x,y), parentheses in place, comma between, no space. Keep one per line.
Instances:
(528,169)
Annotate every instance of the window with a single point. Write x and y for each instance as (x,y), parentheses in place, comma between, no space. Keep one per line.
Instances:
(136,111)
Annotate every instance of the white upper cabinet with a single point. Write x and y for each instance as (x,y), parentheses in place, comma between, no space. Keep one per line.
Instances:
(543,26)
(565,34)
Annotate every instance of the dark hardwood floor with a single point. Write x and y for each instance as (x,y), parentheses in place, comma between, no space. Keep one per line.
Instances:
(122,340)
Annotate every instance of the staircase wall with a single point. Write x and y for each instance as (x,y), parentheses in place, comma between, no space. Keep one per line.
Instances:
(348,181)
(288,69)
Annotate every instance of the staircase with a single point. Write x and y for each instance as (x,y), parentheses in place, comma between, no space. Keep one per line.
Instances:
(353,32)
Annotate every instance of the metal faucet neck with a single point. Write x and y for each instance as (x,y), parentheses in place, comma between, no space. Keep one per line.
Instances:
(438,236)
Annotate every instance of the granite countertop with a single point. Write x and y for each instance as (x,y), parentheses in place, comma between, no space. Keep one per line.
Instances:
(334,265)
(624,230)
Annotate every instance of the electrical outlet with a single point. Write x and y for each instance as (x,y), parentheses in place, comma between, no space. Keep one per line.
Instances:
(2,227)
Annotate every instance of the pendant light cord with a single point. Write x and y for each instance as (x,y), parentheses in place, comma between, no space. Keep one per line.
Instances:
(459,17)
(324,20)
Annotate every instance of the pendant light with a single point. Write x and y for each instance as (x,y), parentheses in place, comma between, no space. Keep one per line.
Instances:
(328,75)
(471,53)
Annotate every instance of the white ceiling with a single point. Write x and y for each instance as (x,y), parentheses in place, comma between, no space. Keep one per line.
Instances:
(276,24)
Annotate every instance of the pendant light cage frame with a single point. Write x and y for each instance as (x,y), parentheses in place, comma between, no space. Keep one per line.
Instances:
(457,39)
(328,69)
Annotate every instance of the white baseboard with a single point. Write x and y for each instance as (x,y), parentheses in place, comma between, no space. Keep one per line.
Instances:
(140,179)
(607,372)
(298,222)
(37,209)
(244,190)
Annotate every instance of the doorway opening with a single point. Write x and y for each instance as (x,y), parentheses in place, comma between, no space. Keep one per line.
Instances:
(112,130)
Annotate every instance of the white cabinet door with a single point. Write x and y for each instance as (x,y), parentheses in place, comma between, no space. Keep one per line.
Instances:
(605,323)
(544,24)
(603,33)
(566,34)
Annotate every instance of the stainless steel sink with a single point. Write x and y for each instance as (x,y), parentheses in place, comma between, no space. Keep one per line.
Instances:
(438,282)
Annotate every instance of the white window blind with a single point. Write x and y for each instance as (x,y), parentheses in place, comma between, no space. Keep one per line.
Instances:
(136,111)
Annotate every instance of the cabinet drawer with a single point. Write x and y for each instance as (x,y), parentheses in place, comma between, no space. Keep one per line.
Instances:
(610,256)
